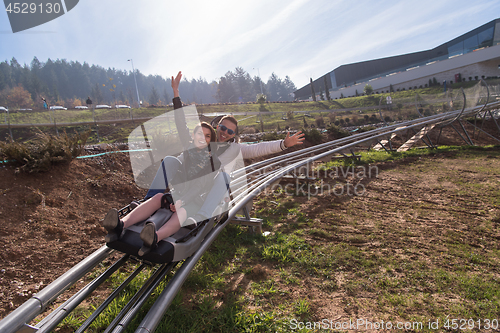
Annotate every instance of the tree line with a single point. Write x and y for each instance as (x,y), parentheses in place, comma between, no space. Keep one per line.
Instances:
(69,83)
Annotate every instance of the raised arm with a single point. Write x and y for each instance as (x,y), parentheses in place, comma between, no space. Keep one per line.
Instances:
(180,119)
(175,84)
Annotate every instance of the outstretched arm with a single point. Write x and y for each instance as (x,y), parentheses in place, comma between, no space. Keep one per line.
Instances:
(271,147)
(296,139)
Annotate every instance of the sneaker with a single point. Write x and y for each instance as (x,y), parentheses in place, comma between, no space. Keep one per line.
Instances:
(113,225)
(149,239)
(191,223)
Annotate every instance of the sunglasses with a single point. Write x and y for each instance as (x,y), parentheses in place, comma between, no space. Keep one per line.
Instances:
(225,129)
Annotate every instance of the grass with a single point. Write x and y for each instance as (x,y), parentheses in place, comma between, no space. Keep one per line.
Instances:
(271,121)
(410,259)
(372,156)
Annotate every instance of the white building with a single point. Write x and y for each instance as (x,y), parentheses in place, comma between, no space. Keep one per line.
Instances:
(471,56)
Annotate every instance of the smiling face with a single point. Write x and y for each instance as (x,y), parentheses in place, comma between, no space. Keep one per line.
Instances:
(223,136)
(201,137)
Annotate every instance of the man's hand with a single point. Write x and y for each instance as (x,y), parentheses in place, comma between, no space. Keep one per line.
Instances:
(296,139)
(175,84)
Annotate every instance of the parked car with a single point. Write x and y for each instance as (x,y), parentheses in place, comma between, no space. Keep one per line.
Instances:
(102,106)
(119,106)
(58,107)
(3,109)
(81,107)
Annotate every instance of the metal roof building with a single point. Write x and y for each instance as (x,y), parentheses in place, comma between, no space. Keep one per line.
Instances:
(471,56)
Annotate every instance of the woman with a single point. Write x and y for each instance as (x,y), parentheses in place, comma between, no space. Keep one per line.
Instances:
(198,164)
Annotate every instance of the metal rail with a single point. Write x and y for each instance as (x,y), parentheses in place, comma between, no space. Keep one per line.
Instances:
(152,319)
(39,302)
(266,173)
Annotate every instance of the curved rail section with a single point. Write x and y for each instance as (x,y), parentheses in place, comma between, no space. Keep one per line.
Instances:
(262,174)
(156,312)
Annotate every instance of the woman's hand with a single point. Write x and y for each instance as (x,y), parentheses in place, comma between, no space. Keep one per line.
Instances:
(175,84)
(178,204)
(296,139)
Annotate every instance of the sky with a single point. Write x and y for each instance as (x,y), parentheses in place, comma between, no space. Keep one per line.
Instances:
(299,38)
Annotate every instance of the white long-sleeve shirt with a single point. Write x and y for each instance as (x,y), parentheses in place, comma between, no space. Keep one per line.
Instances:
(232,158)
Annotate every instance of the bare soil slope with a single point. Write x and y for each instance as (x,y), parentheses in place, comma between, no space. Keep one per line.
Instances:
(51,221)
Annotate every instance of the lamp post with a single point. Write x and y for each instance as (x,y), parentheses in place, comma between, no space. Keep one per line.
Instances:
(135,80)
(260,80)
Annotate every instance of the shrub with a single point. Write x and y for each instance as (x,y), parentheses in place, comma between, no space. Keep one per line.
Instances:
(413,115)
(332,117)
(365,129)
(261,98)
(44,151)
(368,89)
(337,132)
(320,122)
(313,135)
(271,136)
(248,130)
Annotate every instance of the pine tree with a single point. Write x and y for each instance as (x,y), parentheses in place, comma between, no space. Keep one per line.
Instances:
(153,97)
(312,90)
(166,96)
(97,94)
(327,91)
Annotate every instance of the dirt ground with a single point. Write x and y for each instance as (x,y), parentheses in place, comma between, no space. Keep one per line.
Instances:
(51,221)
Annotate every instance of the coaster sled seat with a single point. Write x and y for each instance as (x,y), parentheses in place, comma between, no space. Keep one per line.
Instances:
(180,245)
(177,247)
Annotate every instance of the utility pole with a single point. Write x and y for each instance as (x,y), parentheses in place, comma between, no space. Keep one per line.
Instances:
(260,80)
(135,80)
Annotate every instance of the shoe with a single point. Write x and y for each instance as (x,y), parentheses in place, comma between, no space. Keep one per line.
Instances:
(149,239)
(113,225)
(191,223)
